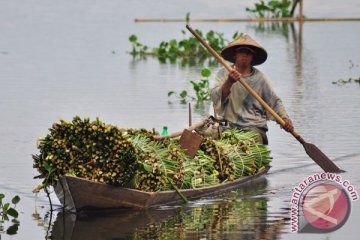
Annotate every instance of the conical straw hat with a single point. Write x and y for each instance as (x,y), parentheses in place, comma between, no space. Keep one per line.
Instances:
(260,54)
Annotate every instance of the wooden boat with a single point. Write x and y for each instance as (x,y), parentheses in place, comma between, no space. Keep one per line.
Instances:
(77,194)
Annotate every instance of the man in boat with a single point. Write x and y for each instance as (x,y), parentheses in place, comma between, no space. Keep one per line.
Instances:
(233,102)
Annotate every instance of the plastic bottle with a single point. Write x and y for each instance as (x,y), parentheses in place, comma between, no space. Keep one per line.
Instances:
(164,131)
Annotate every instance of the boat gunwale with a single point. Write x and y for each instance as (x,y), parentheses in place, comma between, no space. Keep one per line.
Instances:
(187,190)
(79,194)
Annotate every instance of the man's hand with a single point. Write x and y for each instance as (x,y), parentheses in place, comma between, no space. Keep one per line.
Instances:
(288,125)
(234,75)
(232,78)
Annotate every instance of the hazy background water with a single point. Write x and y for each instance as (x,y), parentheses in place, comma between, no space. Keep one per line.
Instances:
(64,58)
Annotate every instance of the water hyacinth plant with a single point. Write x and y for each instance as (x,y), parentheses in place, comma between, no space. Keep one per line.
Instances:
(189,50)
(201,88)
(138,49)
(271,9)
(6,213)
(88,149)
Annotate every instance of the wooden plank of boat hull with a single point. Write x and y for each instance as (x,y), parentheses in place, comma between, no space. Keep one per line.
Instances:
(90,195)
(63,192)
(86,194)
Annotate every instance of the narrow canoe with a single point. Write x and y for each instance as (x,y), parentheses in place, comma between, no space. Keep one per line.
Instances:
(77,194)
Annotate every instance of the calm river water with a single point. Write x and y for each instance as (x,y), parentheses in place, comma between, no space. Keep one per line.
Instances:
(59,59)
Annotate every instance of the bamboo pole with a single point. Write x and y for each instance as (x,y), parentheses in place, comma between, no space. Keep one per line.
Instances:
(300,46)
(294,4)
(290,19)
(301,14)
(190,118)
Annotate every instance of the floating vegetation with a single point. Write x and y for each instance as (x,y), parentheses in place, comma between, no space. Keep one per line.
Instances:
(342,82)
(189,50)
(201,88)
(271,9)
(130,157)
(345,82)
(138,49)
(7,212)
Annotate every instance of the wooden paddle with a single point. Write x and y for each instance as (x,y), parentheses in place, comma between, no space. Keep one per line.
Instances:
(315,153)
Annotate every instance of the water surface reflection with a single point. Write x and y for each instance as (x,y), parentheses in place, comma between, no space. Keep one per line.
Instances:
(241,214)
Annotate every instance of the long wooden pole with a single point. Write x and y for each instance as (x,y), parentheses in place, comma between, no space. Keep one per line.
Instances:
(301,14)
(190,117)
(294,4)
(290,19)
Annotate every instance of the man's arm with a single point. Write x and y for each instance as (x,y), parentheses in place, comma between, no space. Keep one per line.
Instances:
(232,78)
(225,89)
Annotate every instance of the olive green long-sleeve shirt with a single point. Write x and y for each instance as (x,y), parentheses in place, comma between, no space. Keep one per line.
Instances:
(240,107)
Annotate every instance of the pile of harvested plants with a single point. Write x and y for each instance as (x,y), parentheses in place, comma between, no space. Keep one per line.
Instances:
(132,158)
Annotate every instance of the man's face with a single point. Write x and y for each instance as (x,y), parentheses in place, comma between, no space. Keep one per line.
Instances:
(244,57)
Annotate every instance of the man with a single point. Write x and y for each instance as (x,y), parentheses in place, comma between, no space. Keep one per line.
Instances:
(233,102)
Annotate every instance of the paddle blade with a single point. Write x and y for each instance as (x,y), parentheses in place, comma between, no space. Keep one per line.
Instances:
(320,158)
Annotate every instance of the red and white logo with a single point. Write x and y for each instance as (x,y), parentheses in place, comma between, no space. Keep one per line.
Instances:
(321,203)
(325,208)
